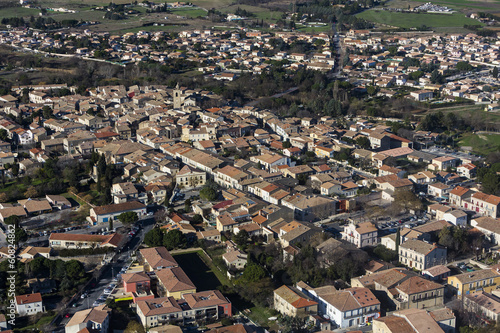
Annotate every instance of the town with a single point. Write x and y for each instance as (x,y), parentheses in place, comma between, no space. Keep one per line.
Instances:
(240,180)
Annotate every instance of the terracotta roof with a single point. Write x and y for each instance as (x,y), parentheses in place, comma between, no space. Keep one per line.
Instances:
(135,277)
(28,298)
(158,257)
(174,279)
(417,284)
(116,208)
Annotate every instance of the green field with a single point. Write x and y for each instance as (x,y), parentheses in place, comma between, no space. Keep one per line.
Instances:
(325,28)
(189,12)
(18,12)
(201,275)
(153,28)
(259,12)
(482,144)
(414,20)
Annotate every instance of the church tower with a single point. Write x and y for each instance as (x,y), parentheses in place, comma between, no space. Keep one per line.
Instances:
(177,97)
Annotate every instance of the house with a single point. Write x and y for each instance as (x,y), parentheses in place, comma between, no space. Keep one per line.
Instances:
(212,235)
(422,95)
(190,177)
(485,304)
(347,308)
(58,201)
(294,303)
(156,258)
(458,195)
(437,273)
(485,280)
(310,207)
(29,304)
(418,293)
(421,255)
(467,170)
(173,282)
(123,192)
(102,214)
(91,320)
(483,204)
(35,206)
(442,163)
(11,211)
(84,241)
(361,234)
(438,190)
(235,259)
(489,226)
(456,217)
(416,321)
(31,252)
(296,232)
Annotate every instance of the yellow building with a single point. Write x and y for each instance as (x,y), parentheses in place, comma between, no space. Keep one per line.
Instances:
(323,152)
(486,280)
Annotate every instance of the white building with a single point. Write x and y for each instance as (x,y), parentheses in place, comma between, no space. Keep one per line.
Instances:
(29,304)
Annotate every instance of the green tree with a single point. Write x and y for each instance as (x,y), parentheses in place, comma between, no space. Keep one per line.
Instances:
(174,239)
(495,72)
(363,142)
(4,135)
(20,235)
(371,90)
(12,220)
(241,237)
(111,223)
(287,144)
(128,217)
(187,205)
(253,273)
(210,191)
(436,77)
(154,237)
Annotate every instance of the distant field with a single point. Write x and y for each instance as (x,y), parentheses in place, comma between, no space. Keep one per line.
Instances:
(414,20)
(153,28)
(189,12)
(18,12)
(325,28)
(259,12)
(482,144)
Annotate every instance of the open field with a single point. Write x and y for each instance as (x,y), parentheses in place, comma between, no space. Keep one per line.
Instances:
(18,12)
(413,20)
(482,144)
(189,12)
(202,276)
(464,5)
(259,12)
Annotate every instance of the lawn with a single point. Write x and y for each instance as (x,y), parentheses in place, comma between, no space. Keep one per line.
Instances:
(259,12)
(18,12)
(414,20)
(189,12)
(203,277)
(325,28)
(482,144)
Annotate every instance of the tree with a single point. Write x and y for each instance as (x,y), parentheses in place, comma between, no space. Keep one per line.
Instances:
(174,239)
(287,144)
(154,237)
(371,90)
(12,220)
(134,327)
(4,197)
(197,219)
(436,77)
(241,237)
(15,169)
(187,205)
(405,199)
(363,142)
(20,235)
(495,72)
(4,135)
(128,217)
(31,192)
(210,191)
(111,223)
(253,273)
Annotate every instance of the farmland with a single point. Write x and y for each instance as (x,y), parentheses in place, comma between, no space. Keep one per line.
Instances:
(415,20)
(482,144)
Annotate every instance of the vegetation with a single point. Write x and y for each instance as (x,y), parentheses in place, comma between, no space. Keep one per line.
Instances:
(171,240)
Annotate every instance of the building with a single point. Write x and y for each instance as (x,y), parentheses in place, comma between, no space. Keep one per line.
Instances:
(416,321)
(485,304)
(294,303)
(84,241)
(173,282)
(347,308)
(483,204)
(102,214)
(422,95)
(90,320)
(31,252)
(418,293)
(421,255)
(202,306)
(481,280)
(190,177)
(361,234)
(489,226)
(235,259)
(156,258)
(29,304)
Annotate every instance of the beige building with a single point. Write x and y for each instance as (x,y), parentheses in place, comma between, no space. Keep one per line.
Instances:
(416,321)
(485,304)
(421,255)
(93,320)
(361,234)
(292,302)
(156,258)
(419,293)
(190,178)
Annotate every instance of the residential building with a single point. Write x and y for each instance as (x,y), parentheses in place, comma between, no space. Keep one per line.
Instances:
(156,258)
(91,320)
(483,204)
(418,293)
(484,304)
(173,282)
(485,280)
(361,234)
(294,303)
(84,241)
(421,255)
(29,304)
(102,214)
(189,177)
